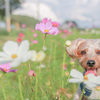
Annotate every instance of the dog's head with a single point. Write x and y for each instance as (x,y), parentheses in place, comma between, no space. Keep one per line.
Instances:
(87,51)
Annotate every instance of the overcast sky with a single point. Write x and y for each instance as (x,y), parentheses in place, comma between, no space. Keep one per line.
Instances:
(85,12)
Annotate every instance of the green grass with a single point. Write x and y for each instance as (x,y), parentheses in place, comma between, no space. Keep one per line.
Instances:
(18,86)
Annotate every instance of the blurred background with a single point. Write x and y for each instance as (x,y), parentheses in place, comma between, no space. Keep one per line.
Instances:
(83,14)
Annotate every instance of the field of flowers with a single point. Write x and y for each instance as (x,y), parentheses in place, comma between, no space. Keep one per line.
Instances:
(45,76)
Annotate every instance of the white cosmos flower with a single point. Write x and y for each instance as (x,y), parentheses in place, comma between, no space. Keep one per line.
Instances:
(68,43)
(14,53)
(89,80)
(42,66)
(38,56)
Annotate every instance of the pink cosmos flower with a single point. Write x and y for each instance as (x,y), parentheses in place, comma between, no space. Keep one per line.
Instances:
(33,30)
(45,20)
(31,73)
(55,24)
(21,35)
(7,68)
(23,25)
(19,39)
(65,66)
(65,31)
(34,41)
(47,28)
(35,35)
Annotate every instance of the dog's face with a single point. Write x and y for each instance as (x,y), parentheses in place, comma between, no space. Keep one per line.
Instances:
(87,51)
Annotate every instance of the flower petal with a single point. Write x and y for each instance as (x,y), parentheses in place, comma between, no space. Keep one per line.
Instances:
(90,84)
(23,48)
(48,25)
(10,47)
(75,80)
(3,54)
(76,74)
(27,56)
(5,60)
(16,62)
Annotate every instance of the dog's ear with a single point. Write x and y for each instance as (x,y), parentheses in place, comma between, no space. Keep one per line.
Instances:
(72,49)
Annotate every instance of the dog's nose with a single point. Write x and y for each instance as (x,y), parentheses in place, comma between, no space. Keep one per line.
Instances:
(90,63)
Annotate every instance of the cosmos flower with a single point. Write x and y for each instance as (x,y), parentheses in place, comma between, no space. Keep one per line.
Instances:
(35,35)
(19,39)
(47,28)
(55,24)
(14,53)
(45,20)
(65,66)
(31,73)
(21,35)
(7,68)
(23,25)
(68,43)
(38,56)
(89,80)
(34,41)
(42,66)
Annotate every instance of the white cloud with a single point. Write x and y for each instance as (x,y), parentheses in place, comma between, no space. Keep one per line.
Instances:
(52,1)
(38,11)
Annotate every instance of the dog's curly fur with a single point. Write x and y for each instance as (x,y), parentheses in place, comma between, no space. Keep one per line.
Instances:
(91,51)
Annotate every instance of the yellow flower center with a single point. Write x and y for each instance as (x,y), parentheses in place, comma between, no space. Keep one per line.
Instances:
(55,25)
(38,56)
(14,56)
(85,77)
(46,31)
(5,69)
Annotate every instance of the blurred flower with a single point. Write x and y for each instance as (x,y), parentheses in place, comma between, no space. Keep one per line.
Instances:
(44,48)
(98,88)
(55,24)
(66,73)
(33,30)
(19,39)
(45,20)
(21,35)
(38,56)
(89,80)
(48,83)
(31,73)
(35,35)
(68,43)
(72,61)
(23,25)
(59,31)
(7,68)
(42,66)
(34,41)
(47,28)
(14,53)
(65,66)
(65,31)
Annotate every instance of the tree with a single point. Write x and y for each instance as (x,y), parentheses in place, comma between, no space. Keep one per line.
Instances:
(13,5)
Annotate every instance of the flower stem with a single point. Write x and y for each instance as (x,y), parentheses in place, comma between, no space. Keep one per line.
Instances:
(82,94)
(20,88)
(44,41)
(3,90)
(63,69)
(36,87)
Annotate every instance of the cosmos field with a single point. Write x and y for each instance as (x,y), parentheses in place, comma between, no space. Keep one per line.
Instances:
(50,82)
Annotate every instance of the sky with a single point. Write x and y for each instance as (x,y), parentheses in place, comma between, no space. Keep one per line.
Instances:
(85,12)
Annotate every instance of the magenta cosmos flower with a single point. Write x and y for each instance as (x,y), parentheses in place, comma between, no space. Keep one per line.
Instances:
(47,28)
(55,24)
(7,68)
(21,35)
(45,20)
(31,73)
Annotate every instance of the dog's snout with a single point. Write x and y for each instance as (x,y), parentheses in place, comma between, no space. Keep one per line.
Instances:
(90,63)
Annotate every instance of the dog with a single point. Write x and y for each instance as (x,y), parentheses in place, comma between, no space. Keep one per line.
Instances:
(87,52)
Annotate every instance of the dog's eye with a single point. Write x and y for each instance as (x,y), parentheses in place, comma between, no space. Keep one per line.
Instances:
(83,52)
(98,52)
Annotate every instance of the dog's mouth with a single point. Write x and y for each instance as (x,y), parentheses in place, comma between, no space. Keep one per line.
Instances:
(93,71)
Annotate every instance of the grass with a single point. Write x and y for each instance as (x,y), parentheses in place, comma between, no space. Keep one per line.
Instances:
(18,86)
